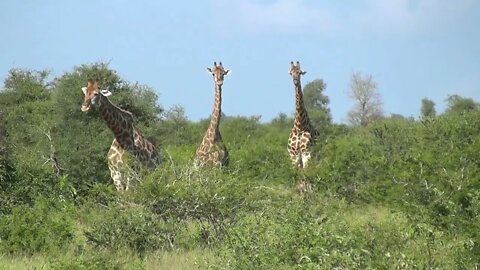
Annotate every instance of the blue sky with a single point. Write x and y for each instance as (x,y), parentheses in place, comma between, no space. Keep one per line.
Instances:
(413,48)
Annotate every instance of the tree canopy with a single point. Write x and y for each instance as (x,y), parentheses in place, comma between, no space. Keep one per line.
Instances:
(428,108)
(317,103)
(459,104)
(368,103)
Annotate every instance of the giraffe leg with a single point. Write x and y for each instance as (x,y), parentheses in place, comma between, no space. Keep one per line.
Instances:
(306,155)
(197,163)
(304,186)
(296,159)
(117,167)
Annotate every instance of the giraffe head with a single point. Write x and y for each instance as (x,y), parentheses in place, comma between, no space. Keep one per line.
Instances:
(218,73)
(93,95)
(296,72)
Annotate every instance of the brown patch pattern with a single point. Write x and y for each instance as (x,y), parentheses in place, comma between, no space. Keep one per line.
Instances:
(212,151)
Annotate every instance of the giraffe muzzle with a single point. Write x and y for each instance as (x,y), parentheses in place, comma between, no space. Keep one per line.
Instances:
(85,107)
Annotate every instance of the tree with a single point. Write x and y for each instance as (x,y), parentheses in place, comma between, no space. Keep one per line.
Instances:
(140,100)
(459,104)
(316,103)
(27,111)
(428,108)
(282,121)
(397,116)
(6,160)
(175,128)
(368,107)
(26,85)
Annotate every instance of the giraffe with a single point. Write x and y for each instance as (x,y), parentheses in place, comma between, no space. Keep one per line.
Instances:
(303,134)
(127,136)
(212,151)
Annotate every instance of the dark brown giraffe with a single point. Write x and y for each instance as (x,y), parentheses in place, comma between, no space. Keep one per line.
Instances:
(212,151)
(303,134)
(127,136)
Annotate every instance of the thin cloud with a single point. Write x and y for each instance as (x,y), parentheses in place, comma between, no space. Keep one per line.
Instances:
(257,17)
(407,17)
(380,17)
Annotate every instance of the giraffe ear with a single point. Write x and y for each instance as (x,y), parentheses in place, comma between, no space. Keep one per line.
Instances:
(84,89)
(228,71)
(303,72)
(105,93)
(209,70)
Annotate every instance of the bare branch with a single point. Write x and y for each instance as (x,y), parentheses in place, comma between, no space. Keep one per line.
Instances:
(53,159)
(368,107)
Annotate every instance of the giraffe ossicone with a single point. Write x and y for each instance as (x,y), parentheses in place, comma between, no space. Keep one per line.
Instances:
(127,136)
(212,151)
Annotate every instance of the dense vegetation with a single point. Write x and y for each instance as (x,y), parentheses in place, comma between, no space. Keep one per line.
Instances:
(396,193)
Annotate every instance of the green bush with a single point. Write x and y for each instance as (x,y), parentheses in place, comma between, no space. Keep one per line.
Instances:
(185,196)
(46,226)
(129,227)
(344,237)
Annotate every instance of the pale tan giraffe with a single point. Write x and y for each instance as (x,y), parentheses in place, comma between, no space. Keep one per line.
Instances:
(212,151)
(303,134)
(127,136)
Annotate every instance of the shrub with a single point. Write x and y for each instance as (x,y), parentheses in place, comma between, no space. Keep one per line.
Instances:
(130,227)
(45,226)
(343,237)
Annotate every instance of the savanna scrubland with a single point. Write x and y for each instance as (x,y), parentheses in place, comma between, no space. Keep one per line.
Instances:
(395,193)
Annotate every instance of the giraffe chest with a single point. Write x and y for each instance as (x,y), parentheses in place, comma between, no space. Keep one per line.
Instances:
(209,148)
(214,153)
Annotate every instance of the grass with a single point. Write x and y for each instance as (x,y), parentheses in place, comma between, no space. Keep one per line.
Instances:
(18,262)
(194,259)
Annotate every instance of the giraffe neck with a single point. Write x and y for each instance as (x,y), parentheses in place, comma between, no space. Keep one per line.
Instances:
(128,137)
(216,114)
(301,117)
(118,120)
